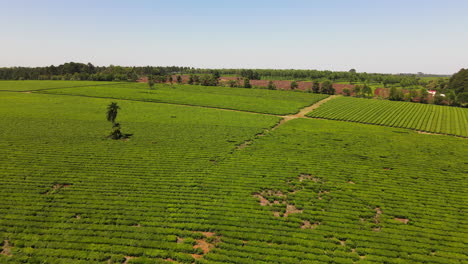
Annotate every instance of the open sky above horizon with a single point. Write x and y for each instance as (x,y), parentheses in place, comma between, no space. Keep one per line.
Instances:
(390,36)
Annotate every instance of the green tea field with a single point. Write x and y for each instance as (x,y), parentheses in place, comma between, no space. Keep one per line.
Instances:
(422,117)
(199,183)
(253,100)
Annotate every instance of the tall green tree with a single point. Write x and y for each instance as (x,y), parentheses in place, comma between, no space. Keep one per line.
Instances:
(247,83)
(423,96)
(294,85)
(112,111)
(367,90)
(327,87)
(316,86)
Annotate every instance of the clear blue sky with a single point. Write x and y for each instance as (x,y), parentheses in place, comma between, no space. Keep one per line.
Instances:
(369,35)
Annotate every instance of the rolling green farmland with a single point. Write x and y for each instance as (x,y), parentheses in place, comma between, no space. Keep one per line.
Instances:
(202,185)
(422,117)
(254,100)
(39,85)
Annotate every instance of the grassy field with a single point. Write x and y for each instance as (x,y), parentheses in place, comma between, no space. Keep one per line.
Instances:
(181,189)
(254,100)
(423,117)
(39,85)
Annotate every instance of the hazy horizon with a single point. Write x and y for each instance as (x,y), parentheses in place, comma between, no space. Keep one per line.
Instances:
(375,37)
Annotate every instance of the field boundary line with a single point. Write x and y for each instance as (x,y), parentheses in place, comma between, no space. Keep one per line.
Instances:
(54,88)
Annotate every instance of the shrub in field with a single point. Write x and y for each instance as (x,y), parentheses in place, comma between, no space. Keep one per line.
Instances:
(271,86)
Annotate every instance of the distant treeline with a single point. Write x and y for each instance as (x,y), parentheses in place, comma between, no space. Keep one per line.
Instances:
(456,86)
(81,71)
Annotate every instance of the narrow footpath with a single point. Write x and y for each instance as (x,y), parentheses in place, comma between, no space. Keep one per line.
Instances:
(301,114)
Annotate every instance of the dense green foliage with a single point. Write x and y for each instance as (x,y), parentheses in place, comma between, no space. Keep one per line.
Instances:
(254,100)
(81,71)
(459,83)
(40,85)
(68,198)
(423,117)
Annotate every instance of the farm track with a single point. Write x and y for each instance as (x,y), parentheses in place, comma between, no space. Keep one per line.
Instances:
(301,114)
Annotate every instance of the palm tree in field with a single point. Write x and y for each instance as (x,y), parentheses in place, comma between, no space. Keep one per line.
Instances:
(112,112)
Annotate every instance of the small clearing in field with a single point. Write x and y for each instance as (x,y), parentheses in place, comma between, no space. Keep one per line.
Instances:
(291,209)
(263,201)
(308,225)
(204,245)
(378,212)
(6,248)
(127,259)
(403,220)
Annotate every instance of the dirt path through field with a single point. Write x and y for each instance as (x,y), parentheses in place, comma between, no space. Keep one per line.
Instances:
(304,111)
(301,114)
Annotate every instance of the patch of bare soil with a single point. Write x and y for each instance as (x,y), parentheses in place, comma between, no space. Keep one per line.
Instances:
(263,201)
(343,242)
(308,225)
(304,176)
(428,133)
(127,259)
(351,182)
(6,248)
(28,92)
(204,245)
(245,144)
(403,220)
(378,212)
(180,240)
(291,209)
(208,234)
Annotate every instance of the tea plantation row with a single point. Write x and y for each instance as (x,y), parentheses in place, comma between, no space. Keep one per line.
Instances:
(311,191)
(422,117)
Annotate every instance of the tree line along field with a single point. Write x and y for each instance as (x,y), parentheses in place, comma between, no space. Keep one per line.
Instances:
(422,117)
(182,189)
(253,100)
